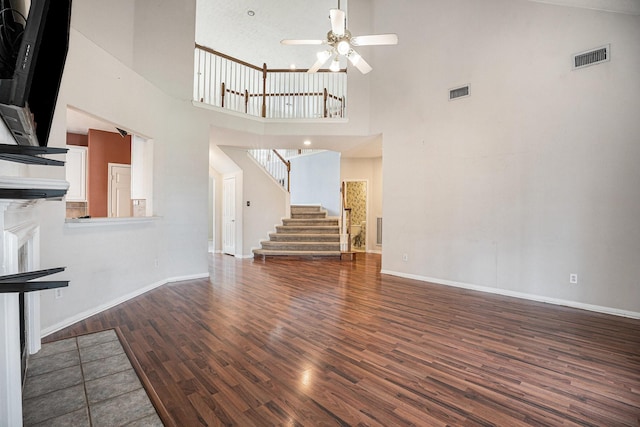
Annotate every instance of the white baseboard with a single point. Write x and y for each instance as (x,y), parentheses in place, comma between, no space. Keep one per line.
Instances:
(96,310)
(521,295)
(188,277)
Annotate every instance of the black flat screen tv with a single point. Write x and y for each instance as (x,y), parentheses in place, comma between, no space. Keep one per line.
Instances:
(33,52)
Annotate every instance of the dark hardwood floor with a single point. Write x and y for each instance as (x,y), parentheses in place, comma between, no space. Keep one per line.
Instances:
(336,343)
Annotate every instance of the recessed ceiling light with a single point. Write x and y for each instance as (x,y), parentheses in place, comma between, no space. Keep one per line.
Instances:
(292,66)
(307,142)
(250,12)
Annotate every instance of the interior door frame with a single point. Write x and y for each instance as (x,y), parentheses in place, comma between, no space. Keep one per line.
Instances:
(367,208)
(110,166)
(229,216)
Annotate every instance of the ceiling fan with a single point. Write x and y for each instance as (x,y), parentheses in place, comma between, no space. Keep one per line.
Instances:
(341,43)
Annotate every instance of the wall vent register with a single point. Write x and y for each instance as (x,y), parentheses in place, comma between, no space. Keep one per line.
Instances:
(459,92)
(592,57)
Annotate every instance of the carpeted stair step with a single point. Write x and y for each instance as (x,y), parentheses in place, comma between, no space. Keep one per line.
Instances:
(296,209)
(301,246)
(306,215)
(310,222)
(300,237)
(291,229)
(296,254)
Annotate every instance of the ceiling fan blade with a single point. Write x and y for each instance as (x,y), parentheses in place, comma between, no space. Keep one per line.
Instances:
(375,39)
(323,57)
(300,42)
(338,20)
(358,62)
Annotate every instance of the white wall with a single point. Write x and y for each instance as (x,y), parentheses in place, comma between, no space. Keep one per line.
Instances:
(108,24)
(107,264)
(315,180)
(532,177)
(370,170)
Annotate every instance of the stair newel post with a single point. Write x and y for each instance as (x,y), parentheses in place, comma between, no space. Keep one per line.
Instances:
(346,216)
(222,92)
(326,95)
(264,90)
(289,176)
(348,229)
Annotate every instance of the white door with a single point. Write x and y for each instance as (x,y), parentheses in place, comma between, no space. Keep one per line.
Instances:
(119,204)
(229,216)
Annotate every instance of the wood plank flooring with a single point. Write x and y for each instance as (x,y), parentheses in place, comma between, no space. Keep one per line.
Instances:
(321,343)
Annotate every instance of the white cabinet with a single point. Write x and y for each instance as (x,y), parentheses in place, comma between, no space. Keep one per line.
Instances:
(76,173)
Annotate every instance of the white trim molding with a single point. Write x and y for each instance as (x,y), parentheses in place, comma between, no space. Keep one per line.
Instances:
(514,294)
(99,309)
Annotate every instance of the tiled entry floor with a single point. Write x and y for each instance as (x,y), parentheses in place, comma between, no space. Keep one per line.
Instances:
(85,381)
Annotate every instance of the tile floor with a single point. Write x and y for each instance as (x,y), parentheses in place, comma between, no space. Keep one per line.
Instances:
(85,381)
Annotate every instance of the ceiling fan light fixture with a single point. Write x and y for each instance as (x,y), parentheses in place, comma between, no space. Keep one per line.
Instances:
(335,64)
(343,47)
(341,43)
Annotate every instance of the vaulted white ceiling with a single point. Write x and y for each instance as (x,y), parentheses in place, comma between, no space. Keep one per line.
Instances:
(226,26)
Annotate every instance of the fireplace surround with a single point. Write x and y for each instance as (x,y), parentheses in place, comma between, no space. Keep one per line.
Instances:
(20,252)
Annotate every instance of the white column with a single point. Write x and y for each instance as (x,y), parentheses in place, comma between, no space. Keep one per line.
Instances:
(10,363)
(10,382)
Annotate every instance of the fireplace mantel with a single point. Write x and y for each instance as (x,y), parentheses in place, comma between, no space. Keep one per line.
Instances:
(18,189)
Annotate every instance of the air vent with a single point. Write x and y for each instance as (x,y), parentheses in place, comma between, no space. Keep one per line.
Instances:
(592,57)
(459,92)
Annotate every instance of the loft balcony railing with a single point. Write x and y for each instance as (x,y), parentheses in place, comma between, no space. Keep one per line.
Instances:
(226,82)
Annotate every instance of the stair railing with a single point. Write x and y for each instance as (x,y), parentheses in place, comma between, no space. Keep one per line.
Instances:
(275,164)
(287,165)
(224,81)
(346,216)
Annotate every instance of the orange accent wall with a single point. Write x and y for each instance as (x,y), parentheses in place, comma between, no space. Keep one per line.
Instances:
(104,148)
(77,139)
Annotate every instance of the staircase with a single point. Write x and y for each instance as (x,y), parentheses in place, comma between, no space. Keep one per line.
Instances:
(309,233)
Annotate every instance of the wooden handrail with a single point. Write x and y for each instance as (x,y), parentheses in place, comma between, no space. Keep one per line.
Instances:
(230,58)
(255,67)
(288,165)
(251,95)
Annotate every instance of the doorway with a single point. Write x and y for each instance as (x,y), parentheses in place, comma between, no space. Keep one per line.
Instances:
(229,216)
(356,199)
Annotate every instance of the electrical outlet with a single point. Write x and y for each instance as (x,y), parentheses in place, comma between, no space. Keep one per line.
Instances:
(58,293)
(156,263)
(405,257)
(573,278)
